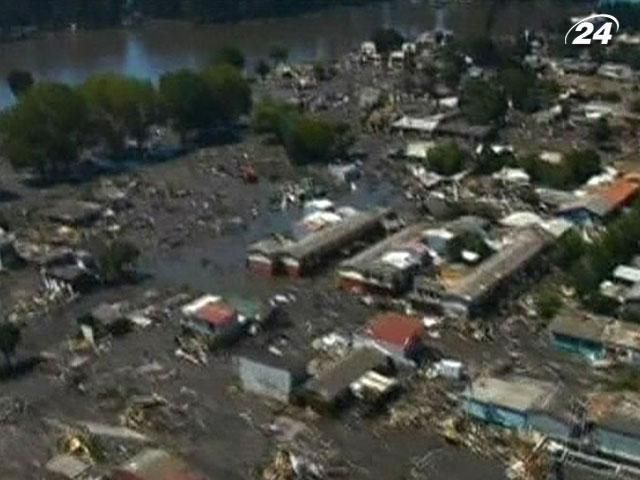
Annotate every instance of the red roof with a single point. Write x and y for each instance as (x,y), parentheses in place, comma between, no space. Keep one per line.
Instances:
(620,192)
(217,314)
(396,329)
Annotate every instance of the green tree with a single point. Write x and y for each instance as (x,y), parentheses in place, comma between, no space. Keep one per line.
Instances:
(279,54)
(229,55)
(230,92)
(387,40)
(311,140)
(274,117)
(569,249)
(9,339)
(482,102)
(116,260)
(187,100)
(601,131)
(120,107)
(548,302)
(262,69)
(46,129)
(20,81)
(447,158)
(472,242)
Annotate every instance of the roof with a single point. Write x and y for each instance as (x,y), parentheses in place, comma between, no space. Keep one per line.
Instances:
(515,393)
(617,411)
(395,328)
(578,325)
(335,235)
(527,244)
(333,382)
(620,192)
(211,309)
(151,464)
(627,273)
(386,253)
(622,334)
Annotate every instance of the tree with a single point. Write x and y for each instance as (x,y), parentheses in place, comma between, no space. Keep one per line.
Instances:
(46,129)
(548,302)
(387,40)
(116,260)
(279,54)
(9,339)
(447,158)
(635,105)
(263,69)
(274,117)
(120,107)
(229,55)
(601,131)
(482,102)
(187,100)
(20,81)
(230,93)
(311,140)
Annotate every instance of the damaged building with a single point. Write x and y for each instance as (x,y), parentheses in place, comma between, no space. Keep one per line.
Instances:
(488,281)
(388,266)
(302,257)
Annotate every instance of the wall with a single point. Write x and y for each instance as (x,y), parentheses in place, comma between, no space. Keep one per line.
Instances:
(547,425)
(496,415)
(588,349)
(616,443)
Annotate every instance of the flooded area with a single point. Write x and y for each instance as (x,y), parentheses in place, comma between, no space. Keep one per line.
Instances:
(161,46)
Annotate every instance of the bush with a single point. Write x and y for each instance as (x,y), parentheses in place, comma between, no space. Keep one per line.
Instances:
(447,159)
(311,140)
(273,117)
(116,260)
(601,131)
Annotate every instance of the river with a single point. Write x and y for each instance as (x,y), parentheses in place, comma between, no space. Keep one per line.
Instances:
(160,46)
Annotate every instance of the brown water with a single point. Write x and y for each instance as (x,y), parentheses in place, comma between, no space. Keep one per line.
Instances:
(161,46)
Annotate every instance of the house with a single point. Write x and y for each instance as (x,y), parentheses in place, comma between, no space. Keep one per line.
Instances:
(596,337)
(580,67)
(154,464)
(73,213)
(426,125)
(602,204)
(270,376)
(614,419)
(67,467)
(489,281)
(331,388)
(578,333)
(213,319)
(464,131)
(616,71)
(398,335)
(626,274)
(74,276)
(418,150)
(508,402)
(388,266)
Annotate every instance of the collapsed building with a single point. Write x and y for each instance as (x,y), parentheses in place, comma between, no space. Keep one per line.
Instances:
(388,266)
(299,258)
(468,295)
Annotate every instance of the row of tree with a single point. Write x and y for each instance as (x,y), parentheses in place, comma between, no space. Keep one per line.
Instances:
(52,123)
(102,13)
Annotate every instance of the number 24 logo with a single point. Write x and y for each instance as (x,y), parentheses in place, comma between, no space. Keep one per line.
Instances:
(587,30)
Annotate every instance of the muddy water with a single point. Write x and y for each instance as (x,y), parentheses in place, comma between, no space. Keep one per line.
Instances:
(161,46)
